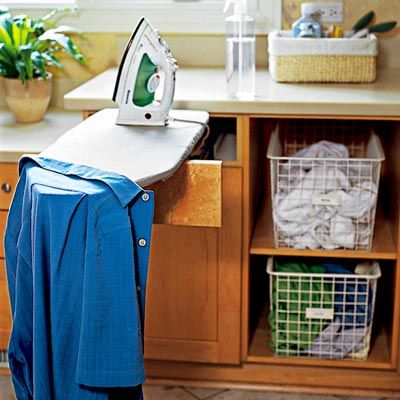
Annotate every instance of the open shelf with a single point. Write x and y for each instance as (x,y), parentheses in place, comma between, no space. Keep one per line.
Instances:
(383,247)
(260,352)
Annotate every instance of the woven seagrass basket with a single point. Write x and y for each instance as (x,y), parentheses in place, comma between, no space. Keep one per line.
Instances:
(322,60)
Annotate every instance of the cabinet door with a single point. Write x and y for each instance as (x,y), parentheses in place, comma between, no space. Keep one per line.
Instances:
(193,291)
(5,315)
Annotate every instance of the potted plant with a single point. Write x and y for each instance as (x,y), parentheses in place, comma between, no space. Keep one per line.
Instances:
(28,49)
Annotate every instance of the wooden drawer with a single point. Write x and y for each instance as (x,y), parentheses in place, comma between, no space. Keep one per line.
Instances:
(5,315)
(8,182)
(192,196)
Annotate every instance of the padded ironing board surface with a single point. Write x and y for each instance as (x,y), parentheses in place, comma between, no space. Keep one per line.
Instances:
(143,154)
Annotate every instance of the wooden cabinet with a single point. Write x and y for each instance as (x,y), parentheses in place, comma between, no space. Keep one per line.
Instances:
(5,317)
(3,221)
(384,346)
(193,297)
(204,319)
(379,375)
(8,182)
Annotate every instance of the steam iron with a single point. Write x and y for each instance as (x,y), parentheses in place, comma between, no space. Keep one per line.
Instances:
(139,76)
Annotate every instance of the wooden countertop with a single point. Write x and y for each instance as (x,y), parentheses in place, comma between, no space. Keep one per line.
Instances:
(204,89)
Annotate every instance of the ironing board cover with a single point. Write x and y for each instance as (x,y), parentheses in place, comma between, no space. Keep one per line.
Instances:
(144,154)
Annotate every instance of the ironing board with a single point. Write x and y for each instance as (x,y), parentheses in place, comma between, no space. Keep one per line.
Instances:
(144,154)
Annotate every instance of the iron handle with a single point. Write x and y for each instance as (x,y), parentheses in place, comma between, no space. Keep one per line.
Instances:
(6,187)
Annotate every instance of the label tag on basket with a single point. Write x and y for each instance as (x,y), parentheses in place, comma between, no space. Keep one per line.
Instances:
(325,200)
(319,313)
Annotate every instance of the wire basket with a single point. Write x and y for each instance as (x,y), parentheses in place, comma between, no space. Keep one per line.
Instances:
(323,315)
(324,203)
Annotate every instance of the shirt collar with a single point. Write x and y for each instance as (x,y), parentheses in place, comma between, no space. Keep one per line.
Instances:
(125,189)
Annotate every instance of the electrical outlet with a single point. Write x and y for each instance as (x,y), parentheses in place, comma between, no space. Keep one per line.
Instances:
(330,12)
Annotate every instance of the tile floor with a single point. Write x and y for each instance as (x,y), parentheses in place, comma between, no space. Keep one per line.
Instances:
(180,393)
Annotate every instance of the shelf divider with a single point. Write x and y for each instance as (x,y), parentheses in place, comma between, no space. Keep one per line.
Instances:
(383,246)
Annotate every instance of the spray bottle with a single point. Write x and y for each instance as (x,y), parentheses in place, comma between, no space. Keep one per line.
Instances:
(240,51)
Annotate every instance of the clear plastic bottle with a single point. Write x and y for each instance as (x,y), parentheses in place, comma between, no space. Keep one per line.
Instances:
(240,51)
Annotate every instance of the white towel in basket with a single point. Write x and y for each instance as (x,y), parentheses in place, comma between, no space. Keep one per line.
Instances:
(358,201)
(332,343)
(324,149)
(292,171)
(299,213)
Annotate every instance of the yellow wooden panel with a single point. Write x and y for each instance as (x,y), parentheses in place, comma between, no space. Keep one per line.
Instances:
(192,196)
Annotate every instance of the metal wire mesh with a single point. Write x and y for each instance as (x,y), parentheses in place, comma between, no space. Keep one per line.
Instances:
(327,203)
(322,315)
(295,135)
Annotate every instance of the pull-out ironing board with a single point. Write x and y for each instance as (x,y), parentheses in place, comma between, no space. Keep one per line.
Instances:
(147,155)
(144,154)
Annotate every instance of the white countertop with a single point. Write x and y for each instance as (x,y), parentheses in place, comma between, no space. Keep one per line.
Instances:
(204,89)
(17,139)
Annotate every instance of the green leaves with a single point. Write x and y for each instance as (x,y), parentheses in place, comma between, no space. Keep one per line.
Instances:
(7,65)
(39,63)
(28,47)
(63,42)
(4,12)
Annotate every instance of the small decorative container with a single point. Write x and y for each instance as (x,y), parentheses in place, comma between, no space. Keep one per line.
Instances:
(343,60)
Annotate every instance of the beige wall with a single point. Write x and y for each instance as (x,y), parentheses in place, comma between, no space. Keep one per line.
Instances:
(353,10)
(104,50)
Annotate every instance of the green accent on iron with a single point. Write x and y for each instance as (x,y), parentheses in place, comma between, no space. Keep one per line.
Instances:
(141,96)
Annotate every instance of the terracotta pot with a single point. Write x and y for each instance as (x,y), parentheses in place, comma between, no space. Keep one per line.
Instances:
(28,102)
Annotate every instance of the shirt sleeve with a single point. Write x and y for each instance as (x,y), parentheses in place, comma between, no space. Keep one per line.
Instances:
(20,287)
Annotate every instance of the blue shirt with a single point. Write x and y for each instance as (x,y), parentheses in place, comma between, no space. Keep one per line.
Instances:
(77,247)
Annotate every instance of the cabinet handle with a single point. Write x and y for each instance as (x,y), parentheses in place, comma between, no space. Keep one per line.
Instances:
(6,187)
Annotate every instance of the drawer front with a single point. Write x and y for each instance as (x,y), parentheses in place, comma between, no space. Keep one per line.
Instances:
(192,196)
(3,219)
(8,182)
(5,315)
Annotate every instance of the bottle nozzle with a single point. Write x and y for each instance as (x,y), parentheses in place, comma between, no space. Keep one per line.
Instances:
(240,6)
(226,6)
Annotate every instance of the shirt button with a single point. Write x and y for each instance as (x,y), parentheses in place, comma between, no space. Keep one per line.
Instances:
(138,288)
(142,242)
(145,197)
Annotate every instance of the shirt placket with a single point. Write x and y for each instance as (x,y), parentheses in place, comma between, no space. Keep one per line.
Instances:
(141,213)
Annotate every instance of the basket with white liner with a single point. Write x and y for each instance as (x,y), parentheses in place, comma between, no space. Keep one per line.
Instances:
(324,195)
(343,60)
(322,314)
